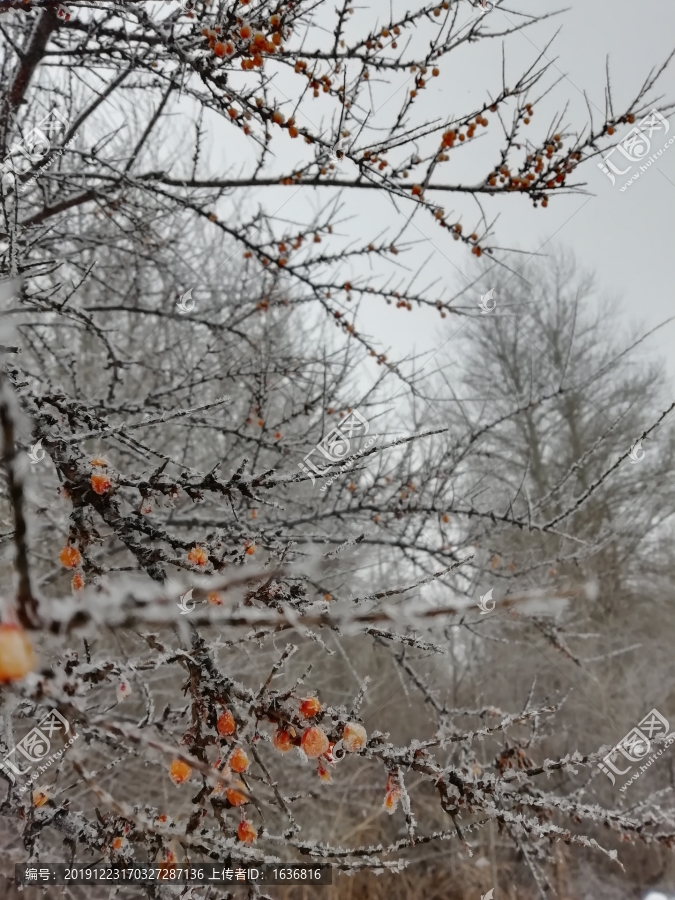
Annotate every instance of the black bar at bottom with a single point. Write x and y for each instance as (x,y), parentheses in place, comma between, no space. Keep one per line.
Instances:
(203,873)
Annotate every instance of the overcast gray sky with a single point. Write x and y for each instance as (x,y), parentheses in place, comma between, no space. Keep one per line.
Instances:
(625,238)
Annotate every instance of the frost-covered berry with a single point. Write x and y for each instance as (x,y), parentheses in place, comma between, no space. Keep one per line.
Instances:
(100,483)
(77,582)
(236,795)
(310,707)
(314,742)
(239,760)
(282,741)
(354,737)
(246,832)
(392,794)
(40,796)
(16,653)
(225,724)
(198,556)
(70,557)
(324,772)
(179,771)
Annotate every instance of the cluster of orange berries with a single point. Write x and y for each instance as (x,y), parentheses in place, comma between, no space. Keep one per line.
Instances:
(249,43)
(449,137)
(71,558)
(313,741)
(535,162)
(385,33)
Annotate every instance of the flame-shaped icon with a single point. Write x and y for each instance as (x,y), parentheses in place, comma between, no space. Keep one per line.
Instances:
(485,601)
(484,303)
(186,304)
(36,453)
(337,752)
(636,452)
(339,145)
(489,894)
(185,602)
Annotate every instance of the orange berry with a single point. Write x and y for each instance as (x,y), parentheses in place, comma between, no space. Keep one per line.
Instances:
(259,39)
(219,48)
(225,724)
(417,190)
(100,483)
(446,517)
(282,741)
(611,129)
(310,707)
(117,843)
(245,32)
(293,131)
(70,557)
(179,771)
(314,742)
(233,112)
(198,556)
(277,435)
(214,598)
(250,550)
(354,737)
(393,794)
(40,797)
(246,832)
(323,772)
(77,582)
(235,796)
(239,761)
(278,117)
